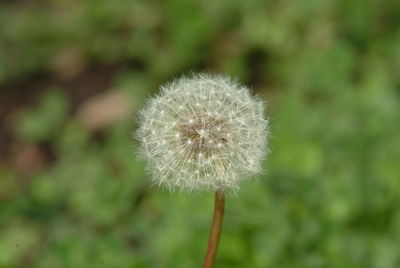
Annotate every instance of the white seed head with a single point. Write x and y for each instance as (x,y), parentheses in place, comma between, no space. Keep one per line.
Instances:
(203,133)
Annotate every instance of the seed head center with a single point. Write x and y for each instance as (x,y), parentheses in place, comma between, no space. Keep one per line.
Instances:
(203,135)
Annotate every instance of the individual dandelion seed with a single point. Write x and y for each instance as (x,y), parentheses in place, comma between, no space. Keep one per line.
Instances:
(204,133)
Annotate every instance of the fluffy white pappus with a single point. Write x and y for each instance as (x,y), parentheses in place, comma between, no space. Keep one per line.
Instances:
(203,132)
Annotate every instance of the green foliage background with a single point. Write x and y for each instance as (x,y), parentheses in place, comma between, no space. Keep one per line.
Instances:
(329,71)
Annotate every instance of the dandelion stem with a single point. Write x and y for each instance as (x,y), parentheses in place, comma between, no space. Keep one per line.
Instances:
(216,228)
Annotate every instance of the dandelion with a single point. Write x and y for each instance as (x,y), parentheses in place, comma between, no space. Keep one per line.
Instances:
(203,133)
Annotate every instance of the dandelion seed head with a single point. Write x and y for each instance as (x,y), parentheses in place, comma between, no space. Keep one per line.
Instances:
(203,133)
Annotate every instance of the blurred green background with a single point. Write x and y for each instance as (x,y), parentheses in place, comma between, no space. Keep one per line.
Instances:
(74,73)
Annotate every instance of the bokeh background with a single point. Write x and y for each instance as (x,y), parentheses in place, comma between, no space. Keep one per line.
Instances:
(74,73)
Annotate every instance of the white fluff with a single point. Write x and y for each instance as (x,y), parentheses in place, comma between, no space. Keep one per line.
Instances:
(203,133)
